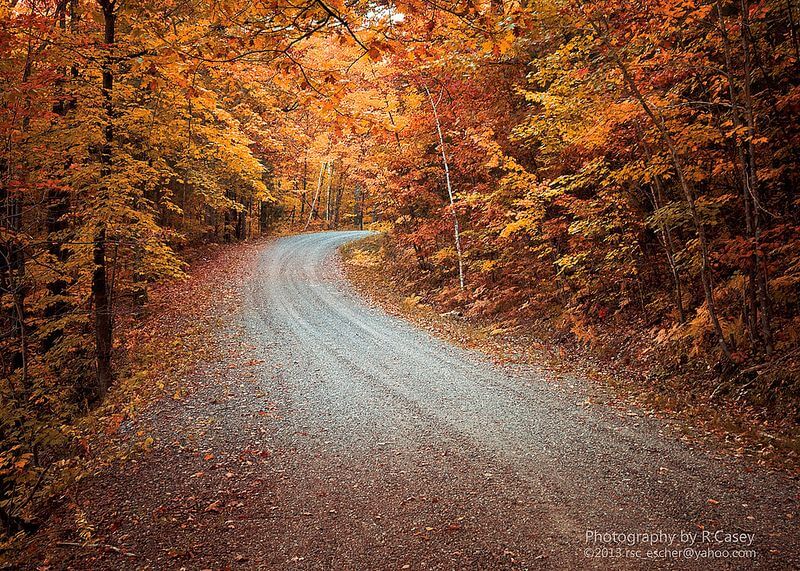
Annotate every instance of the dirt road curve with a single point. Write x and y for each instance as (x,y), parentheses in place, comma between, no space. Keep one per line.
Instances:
(364,443)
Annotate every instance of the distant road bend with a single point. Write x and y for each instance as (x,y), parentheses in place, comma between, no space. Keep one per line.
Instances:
(423,454)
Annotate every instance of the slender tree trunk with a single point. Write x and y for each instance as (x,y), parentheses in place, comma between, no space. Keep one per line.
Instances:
(356,206)
(752,179)
(328,196)
(102,313)
(313,208)
(664,232)
(303,194)
(359,206)
(751,307)
(669,249)
(58,199)
(456,232)
(102,302)
(337,203)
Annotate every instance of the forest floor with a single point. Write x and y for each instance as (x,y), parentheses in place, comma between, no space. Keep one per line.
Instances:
(300,425)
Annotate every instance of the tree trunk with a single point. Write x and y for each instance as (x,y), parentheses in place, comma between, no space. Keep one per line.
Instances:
(664,232)
(752,181)
(666,236)
(328,197)
(456,232)
(102,318)
(312,211)
(58,199)
(750,307)
(338,200)
(303,194)
(102,303)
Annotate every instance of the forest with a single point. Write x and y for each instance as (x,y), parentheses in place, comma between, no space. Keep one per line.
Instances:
(626,166)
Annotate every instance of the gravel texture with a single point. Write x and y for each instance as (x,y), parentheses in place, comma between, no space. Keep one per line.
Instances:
(339,437)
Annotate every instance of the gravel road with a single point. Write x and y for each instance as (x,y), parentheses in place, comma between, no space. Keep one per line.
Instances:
(322,433)
(405,450)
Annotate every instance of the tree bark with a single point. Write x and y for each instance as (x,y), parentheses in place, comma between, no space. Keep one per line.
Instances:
(102,302)
(303,194)
(337,203)
(751,306)
(752,180)
(456,232)
(666,235)
(664,232)
(328,196)
(312,211)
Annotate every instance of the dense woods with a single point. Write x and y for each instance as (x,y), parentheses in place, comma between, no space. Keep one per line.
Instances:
(629,160)
(595,162)
(624,159)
